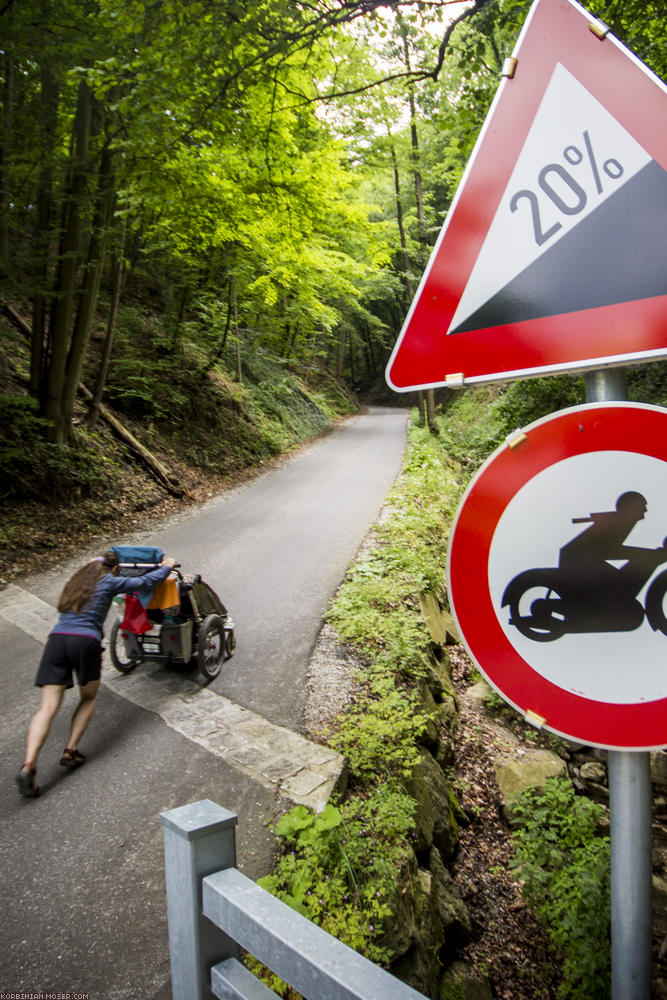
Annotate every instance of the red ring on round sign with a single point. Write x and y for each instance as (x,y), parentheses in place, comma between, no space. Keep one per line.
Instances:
(594,427)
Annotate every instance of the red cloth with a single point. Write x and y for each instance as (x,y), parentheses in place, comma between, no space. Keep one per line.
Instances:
(135,618)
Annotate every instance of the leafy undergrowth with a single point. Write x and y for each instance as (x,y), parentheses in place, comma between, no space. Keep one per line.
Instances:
(563,860)
(377,612)
(341,868)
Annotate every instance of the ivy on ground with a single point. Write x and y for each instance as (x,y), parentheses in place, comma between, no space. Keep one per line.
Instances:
(563,861)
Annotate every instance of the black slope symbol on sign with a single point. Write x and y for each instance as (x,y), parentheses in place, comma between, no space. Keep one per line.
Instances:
(616,254)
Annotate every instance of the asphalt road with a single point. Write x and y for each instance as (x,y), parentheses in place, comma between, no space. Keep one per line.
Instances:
(81,873)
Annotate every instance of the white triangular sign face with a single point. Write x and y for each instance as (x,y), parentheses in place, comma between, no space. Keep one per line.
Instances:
(575,156)
(552,255)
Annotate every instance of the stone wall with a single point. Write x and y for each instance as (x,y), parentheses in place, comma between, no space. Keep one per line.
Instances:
(433,919)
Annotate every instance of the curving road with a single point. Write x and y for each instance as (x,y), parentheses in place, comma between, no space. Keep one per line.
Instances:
(81,867)
(275,551)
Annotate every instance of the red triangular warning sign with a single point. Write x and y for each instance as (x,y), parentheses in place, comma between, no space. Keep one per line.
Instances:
(553,255)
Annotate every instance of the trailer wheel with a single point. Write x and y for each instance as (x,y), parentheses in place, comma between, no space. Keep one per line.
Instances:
(211,646)
(118,650)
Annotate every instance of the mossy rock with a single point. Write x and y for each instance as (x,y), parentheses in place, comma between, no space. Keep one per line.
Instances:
(460,983)
(452,910)
(479,694)
(400,929)
(433,617)
(431,735)
(440,673)
(420,966)
(659,767)
(530,770)
(435,823)
(449,711)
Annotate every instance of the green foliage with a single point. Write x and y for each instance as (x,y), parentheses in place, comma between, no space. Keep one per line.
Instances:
(331,395)
(31,465)
(494,703)
(235,165)
(342,868)
(563,862)
(381,732)
(640,26)
(528,400)
(376,611)
(288,412)
(648,383)
(478,420)
(470,427)
(225,425)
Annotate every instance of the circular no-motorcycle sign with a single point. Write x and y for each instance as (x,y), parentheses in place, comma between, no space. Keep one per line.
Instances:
(557,573)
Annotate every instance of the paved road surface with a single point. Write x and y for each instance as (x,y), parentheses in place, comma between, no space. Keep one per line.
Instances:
(81,867)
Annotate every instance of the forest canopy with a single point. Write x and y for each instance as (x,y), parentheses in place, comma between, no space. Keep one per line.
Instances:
(257,173)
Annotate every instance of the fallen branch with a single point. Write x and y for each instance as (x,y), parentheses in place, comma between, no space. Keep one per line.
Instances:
(19,323)
(154,466)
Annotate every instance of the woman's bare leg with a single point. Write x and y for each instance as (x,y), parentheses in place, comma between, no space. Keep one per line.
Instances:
(40,724)
(83,713)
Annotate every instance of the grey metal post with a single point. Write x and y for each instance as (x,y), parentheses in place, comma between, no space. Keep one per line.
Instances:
(606,385)
(630,816)
(199,839)
(631,874)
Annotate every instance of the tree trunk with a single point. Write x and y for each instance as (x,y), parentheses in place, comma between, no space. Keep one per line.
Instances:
(430,411)
(416,173)
(176,320)
(340,359)
(239,372)
(371,351)
(156,468)
(63,299)
(110,332)
(401,228)
(429,402)
(217,354)
(91,284)
(414,144)
(50,94)
(5,150)
(421,406)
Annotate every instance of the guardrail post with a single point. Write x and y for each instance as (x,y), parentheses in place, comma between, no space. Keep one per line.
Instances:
(199,839)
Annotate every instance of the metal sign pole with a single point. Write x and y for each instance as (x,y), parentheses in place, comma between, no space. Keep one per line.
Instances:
(630,815)
(631,871)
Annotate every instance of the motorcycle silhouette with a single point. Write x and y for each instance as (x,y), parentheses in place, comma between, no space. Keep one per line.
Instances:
(586,592)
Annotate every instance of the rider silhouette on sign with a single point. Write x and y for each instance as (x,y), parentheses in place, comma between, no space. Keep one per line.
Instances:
(586,592)
(586,559)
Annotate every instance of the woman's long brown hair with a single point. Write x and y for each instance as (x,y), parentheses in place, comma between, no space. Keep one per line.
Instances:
(79,588)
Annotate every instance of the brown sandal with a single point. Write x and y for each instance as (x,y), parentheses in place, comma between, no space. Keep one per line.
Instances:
(25,779)
(72,758)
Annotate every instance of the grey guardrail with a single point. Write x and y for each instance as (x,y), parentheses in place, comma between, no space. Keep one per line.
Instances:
(214,911)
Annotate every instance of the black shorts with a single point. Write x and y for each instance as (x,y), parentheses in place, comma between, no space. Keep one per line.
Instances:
(66,653)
